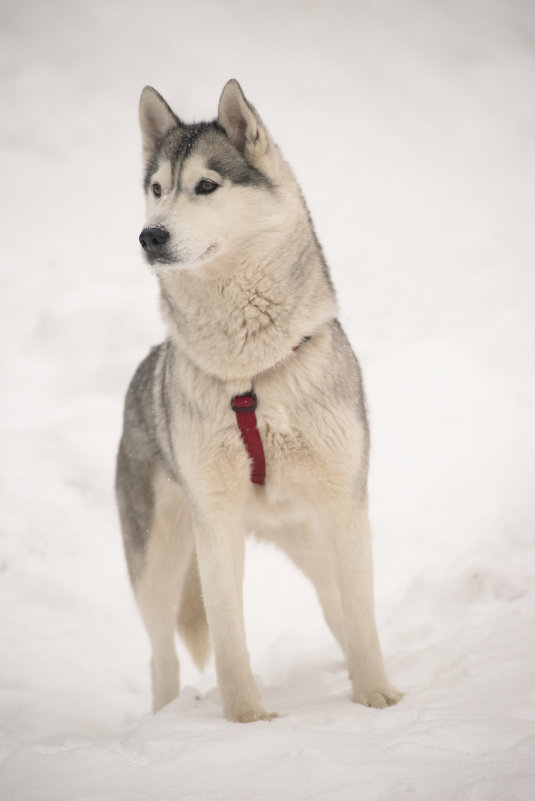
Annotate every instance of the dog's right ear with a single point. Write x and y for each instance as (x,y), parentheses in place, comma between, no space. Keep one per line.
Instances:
(155,120)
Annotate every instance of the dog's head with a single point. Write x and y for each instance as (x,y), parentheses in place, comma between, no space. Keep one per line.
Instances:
(211,188)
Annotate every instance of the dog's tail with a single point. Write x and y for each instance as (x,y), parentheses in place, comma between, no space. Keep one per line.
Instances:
(191,622)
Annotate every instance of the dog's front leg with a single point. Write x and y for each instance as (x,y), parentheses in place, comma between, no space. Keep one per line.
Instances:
(220,544)
(349,528)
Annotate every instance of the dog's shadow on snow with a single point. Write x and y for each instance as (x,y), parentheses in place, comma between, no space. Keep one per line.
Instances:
(291,691)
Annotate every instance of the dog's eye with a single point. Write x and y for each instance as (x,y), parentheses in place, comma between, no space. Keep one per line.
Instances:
(156,189)
(205,187)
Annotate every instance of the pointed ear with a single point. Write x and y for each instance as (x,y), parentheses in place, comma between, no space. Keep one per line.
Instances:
(241,123)
(155,119)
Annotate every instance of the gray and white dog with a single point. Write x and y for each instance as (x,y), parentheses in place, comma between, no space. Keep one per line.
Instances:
(249,417)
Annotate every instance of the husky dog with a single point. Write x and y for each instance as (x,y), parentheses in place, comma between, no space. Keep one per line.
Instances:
(249,417)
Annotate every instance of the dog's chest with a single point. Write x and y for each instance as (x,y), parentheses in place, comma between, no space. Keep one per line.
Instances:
(292,452)
(284,445)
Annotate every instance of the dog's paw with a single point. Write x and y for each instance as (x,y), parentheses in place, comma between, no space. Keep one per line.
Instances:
(253,714)
(378,697)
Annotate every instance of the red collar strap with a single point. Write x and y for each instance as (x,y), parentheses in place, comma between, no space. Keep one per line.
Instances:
(245,406)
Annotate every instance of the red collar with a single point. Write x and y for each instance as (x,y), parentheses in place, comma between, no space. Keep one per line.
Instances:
(245,407)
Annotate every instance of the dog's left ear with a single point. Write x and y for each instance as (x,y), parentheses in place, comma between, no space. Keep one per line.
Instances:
(241,123)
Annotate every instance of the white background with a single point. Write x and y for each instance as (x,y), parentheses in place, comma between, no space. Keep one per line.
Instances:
(411,127)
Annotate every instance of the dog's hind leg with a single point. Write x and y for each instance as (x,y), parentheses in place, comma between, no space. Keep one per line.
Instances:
(159,588)
(191,623)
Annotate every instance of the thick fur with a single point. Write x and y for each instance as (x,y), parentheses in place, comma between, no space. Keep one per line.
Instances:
(243,282)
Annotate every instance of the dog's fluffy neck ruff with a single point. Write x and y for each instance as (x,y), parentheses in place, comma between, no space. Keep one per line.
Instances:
(238,319)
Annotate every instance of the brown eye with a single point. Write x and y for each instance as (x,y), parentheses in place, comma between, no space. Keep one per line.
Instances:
(156,189)
(205,187)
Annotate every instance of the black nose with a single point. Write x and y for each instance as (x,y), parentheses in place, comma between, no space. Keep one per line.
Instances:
(153,239)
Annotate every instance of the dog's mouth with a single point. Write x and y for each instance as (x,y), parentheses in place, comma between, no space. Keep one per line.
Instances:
(161,258)
(167,258)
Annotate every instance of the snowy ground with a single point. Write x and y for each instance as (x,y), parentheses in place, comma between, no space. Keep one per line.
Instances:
(411,127)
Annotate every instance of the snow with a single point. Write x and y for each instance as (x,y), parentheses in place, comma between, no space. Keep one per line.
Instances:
(410,127)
